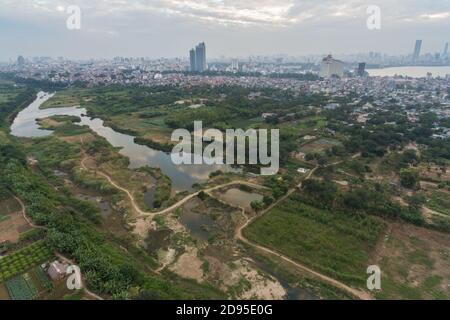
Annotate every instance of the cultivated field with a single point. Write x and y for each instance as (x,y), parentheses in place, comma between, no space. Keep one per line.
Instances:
(334,243)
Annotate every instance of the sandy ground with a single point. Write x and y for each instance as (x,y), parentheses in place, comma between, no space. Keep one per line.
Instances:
(189,265)
(341,182)
(258,286)
(166,257)
(142,226)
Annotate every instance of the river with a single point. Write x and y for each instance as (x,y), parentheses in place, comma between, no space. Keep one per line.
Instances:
(182,176)
(413,71)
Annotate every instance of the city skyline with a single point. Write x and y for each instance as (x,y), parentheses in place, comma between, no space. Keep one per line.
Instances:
(234,28)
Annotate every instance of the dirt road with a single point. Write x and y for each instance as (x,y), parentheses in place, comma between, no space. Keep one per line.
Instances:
(357,293)
(63,258)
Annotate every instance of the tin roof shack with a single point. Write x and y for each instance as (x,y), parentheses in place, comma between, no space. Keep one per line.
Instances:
(57,270)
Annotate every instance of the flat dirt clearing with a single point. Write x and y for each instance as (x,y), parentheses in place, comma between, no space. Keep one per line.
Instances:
(12,223)
(4,295)
(319,145)
(189,265)
(415,263)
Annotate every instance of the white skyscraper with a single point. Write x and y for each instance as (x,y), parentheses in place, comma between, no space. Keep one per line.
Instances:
(331,67)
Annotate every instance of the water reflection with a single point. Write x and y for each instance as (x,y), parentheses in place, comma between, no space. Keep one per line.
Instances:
(182,176)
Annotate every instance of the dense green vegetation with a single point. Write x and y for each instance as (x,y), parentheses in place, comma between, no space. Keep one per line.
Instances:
(16,99)
(328,226)
(106,267)
(366,198)
(335,243)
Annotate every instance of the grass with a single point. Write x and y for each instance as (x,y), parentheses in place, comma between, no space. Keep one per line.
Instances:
(319,145)
(66,98)
(21,288)
(336,244)
(440,202)
(413,267)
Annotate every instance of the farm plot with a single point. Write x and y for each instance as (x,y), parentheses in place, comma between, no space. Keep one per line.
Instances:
(337,244)
(319,145)
(440,202)
(22,260)
(21,288)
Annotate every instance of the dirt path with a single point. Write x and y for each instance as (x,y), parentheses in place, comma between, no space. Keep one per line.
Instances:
(111,181)
(143,213)
(427,212)
(357,293)
(28,220)
(86,290)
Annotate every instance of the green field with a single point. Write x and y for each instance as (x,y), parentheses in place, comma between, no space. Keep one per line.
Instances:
(333,243)
(21,288)
(23,259)
(66,98)
(440,202)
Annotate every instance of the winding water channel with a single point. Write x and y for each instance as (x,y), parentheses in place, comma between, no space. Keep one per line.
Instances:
(182,176)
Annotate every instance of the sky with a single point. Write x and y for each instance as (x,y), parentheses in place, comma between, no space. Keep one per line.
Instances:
(232,28)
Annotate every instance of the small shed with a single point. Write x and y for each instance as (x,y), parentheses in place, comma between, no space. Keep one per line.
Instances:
(57,270)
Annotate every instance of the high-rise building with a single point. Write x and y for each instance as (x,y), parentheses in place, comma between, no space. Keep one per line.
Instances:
(197,58)
(417,49)
(235,64)
(331,67)
(361,69)
(445,53)
(192,60)
(200,57)
(20,61)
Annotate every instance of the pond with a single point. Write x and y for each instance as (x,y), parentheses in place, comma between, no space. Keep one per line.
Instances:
(240,198)
(199,224)
(103,206)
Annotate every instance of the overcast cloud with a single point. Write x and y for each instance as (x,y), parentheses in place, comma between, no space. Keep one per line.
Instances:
(157,28)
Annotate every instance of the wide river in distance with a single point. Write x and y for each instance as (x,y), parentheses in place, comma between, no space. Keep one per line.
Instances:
(413,71)
(182,176)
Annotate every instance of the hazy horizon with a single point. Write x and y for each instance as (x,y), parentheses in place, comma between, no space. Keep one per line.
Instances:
(232,28)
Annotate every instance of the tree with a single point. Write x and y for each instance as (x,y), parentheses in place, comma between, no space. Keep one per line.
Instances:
(409,178)
(202,195)
(267,200)
(256,205)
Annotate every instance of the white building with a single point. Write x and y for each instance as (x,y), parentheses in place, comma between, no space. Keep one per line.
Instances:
(57,270)
(331,67)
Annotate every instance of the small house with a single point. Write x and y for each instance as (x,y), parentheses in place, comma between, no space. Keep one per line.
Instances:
(57,270)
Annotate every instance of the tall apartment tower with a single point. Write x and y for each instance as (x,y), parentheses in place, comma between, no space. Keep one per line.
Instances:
(20,61)
(200,57)
(331,67)
(193,66)
(445,53)
(197,58)
(417,49)
(361,69)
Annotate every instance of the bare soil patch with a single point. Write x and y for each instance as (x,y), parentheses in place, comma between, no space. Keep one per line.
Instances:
(415,263)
